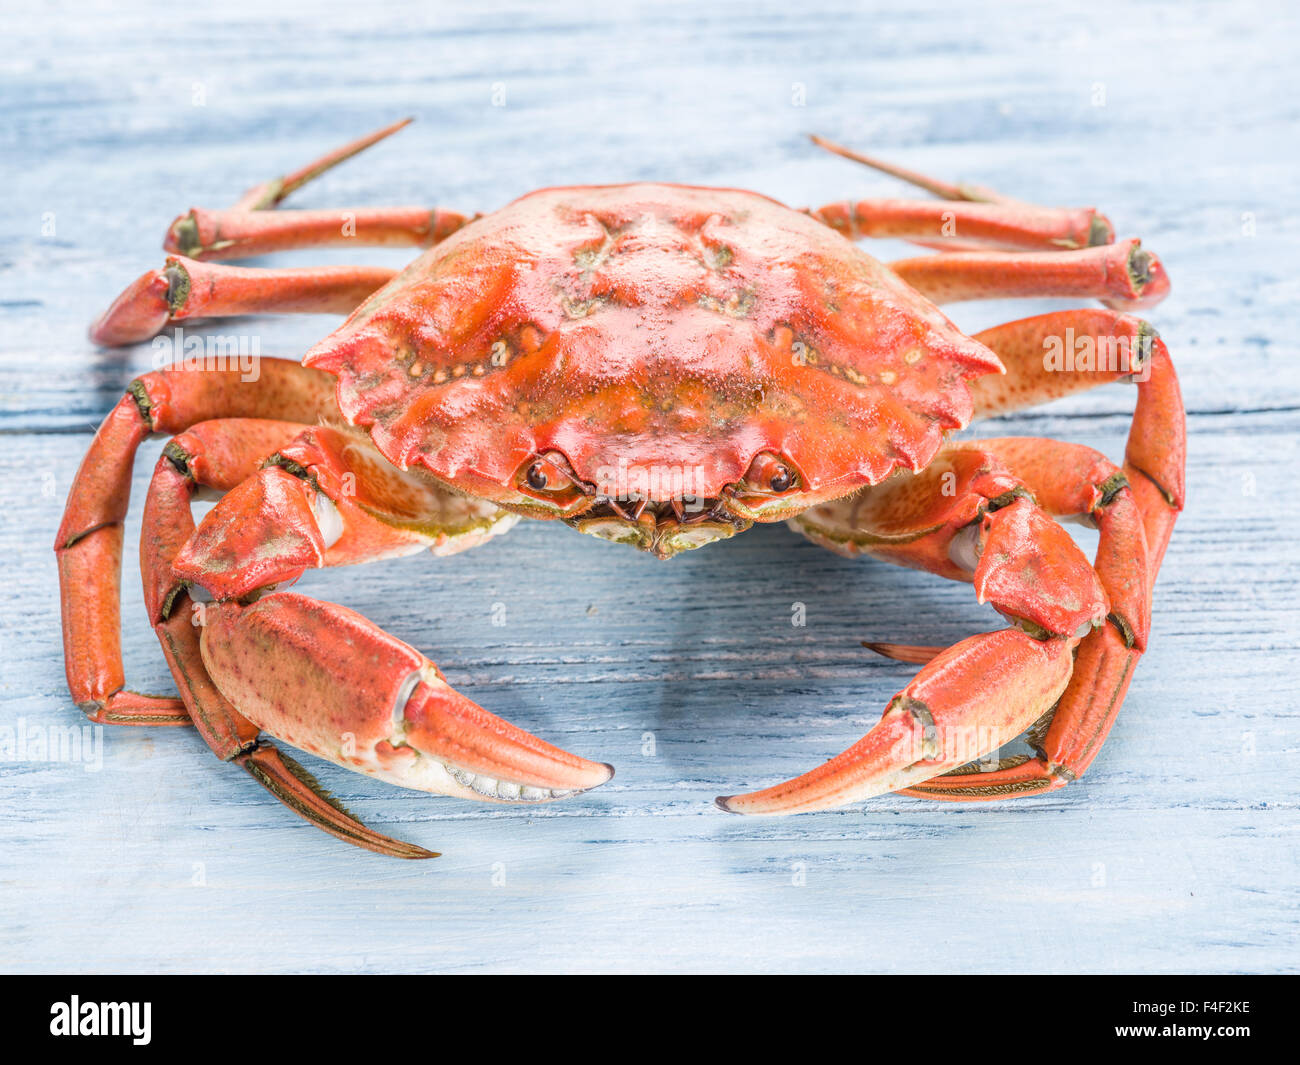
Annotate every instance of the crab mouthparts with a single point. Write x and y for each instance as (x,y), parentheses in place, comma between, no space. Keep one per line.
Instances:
(663,528)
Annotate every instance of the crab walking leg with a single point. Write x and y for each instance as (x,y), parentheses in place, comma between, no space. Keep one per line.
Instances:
(271,193)
(219,454)
(1047,357)
(1069,480)
(945,190)
(973,219)
(916,653)
(1054,355)
(968,518)
(252,228)
(1154,469)
(969,225)
(183,289)
(187,288)
(373,703)
(1123,276)
(89,540)
(235,233)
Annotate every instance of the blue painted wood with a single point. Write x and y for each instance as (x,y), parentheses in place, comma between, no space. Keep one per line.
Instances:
(1177,851)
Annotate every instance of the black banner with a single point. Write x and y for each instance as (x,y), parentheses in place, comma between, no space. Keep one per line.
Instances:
(144,1013)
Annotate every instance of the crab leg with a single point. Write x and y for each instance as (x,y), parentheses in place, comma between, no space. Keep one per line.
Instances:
(968,517)
(89,541)
(322,677)
(187,288)
(236,233)
(945,190)
(973,219)
(1121,275)
(1073,481)
(219,454)
(271,193)
(251,228)
(1109,346)
(976,225)
(184,288)
(1116,346)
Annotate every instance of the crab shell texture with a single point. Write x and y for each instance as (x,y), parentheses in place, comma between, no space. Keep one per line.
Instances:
(667,337)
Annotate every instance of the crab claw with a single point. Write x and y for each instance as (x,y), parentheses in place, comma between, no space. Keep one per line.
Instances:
(971,699)
(329,681)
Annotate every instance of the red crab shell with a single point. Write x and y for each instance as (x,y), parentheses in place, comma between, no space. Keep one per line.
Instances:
(653,325)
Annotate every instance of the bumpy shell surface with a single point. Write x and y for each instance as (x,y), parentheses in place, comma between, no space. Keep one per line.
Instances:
(656,325)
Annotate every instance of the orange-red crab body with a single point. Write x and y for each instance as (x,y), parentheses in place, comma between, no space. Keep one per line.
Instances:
(657,334)
(659,365)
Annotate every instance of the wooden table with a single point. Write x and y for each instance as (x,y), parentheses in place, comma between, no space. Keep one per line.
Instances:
(1177,851)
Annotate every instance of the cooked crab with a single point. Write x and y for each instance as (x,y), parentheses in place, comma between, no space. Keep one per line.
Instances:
(659,365)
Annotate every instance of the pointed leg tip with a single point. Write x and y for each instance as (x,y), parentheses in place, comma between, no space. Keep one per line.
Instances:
(294,786)
(752,804)
(604,768)
(384,132)
(833,147)
(597,774)
(398,848)
(902,652)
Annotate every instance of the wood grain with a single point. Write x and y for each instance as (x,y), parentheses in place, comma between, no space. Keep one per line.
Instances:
(1177,851)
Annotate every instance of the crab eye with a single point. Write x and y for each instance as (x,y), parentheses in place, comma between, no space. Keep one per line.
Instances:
(548,473)
(767,473)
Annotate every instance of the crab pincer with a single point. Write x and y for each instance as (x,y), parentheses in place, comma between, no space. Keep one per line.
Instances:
(969,700)
(326,679)
(329,681)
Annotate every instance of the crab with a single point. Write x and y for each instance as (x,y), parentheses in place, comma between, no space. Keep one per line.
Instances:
(657,365)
